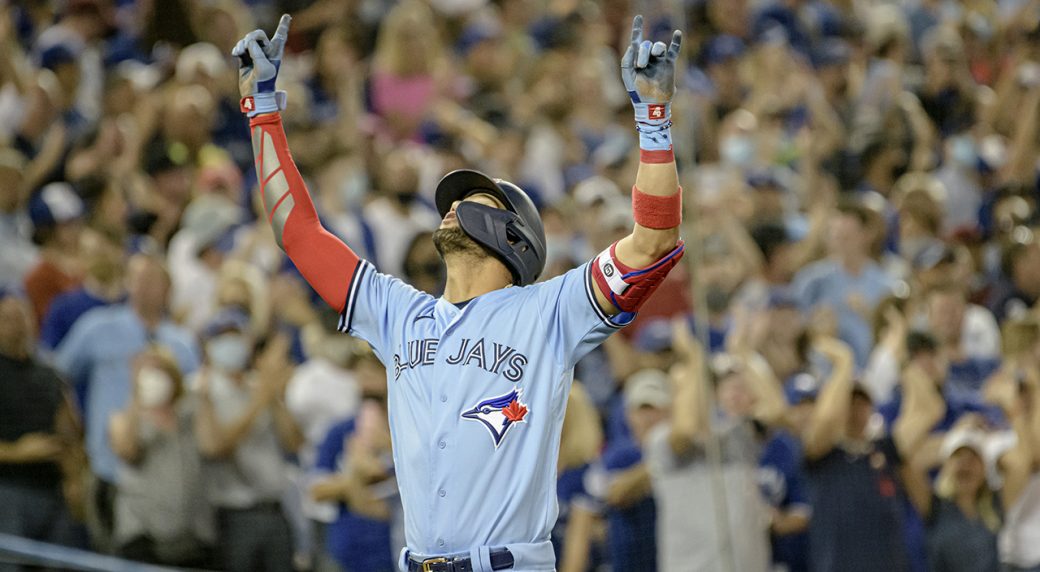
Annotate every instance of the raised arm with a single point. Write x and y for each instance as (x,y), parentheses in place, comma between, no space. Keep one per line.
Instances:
(325,262)
(922,408)
(831,413)
(632,268)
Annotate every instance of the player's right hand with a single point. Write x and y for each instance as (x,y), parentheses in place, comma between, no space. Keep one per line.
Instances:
(260,59)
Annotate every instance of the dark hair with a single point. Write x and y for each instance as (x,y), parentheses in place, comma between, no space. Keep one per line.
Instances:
(769,236)
(1009,257)
(852,207)
(918,342)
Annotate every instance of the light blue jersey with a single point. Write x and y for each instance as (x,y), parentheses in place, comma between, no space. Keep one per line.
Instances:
(476,398)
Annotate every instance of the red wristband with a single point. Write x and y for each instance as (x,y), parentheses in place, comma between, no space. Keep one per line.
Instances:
(657,212)
(656,157)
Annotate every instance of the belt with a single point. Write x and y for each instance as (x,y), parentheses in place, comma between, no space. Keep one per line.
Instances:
(501,559)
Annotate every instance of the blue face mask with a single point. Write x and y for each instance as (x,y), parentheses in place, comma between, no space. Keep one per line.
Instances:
(962,151)
(737,151)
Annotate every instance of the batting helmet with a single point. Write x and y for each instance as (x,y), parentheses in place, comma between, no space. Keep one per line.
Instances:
(515,235)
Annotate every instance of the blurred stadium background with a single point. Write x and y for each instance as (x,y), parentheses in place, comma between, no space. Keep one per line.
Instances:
(857,333)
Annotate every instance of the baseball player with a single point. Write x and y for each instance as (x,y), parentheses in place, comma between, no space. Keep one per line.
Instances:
(478,379)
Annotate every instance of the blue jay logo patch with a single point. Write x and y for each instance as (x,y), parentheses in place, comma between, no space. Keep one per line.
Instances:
(498,414)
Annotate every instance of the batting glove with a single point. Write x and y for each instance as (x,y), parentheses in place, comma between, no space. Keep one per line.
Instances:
(648,71)
(259,60)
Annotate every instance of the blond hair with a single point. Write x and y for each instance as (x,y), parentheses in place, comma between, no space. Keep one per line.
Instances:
(401,24)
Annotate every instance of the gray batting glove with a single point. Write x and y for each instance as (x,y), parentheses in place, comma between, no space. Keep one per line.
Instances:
(260,59)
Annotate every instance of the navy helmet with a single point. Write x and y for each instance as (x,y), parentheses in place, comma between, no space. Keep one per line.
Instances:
(514,235)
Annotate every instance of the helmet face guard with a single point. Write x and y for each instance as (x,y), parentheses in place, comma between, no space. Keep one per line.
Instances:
(514,235)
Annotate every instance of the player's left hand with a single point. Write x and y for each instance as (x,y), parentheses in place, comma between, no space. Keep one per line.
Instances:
(648,68)
(260,59)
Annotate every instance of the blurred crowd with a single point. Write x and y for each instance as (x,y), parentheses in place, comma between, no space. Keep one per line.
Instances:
(861,181)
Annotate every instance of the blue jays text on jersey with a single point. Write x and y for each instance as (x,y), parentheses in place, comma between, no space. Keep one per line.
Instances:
(490,356)
(476,399)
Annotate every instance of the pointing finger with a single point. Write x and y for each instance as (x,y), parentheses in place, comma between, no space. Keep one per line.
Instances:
(637,29)
(278,40)
(673,49)
(283,27)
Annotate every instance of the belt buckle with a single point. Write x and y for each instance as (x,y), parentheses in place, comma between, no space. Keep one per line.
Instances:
(429,562)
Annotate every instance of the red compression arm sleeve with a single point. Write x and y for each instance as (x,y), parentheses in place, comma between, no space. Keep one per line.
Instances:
(324,260)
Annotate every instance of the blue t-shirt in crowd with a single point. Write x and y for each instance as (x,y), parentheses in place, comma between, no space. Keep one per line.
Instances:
(631,531)
(358,543)
(827,284)
(857,511)
(98,352)
(783,484)
(63,313)
(570,487)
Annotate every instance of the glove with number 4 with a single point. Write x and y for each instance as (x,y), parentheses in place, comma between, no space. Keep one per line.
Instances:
(648,71)
(260,59)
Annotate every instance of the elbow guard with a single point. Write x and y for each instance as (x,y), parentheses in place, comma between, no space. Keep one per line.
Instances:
(629,288)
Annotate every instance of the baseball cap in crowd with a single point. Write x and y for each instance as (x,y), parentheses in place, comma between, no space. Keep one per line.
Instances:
(210,220)
(655,336)
(769,179)
(722,49)
(801,387)
(831,52)
(54,56)
(647,387)
(55,203)
(595,190)
(961,438)
(227,320)
(477,33)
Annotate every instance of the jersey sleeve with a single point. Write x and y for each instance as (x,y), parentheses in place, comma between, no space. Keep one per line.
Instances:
(575,322)
(376,307)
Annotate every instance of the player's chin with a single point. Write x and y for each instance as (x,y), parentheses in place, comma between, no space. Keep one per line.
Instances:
(451,239)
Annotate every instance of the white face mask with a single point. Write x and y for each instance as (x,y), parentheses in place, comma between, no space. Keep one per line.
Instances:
(154,387)
(228,352)
(737,150)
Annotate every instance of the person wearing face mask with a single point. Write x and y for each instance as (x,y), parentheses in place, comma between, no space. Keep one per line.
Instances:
(244,430)
(96,355)
(161,515)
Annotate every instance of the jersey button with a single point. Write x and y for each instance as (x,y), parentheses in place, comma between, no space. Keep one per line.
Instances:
(441,492)
(442,444)
(444,398)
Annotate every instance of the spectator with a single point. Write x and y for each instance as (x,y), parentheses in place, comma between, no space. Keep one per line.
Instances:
(676,455)
(97,355)
(161,513)
(19,254)
(852,473)
(965,331)
(1020,289)
(56,212)
(580,443)
(844,288)
(620,481)
(355,459)
(40,449)
(103,285)
(243,428)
